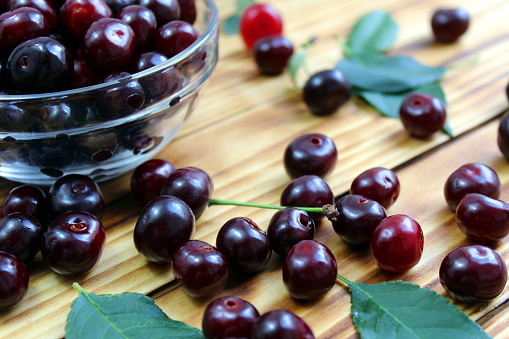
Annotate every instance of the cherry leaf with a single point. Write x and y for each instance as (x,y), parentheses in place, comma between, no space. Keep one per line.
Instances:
(399,309)
(298,61)
(375,32)
(126,315)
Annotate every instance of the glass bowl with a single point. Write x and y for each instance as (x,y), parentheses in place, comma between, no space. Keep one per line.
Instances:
(104,131)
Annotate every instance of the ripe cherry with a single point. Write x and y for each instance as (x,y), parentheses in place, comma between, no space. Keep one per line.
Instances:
(422,115)
(26,199)
(324,92)
(20,234)
(379,184)
(309,270)
(257,21)
(471,178)
(475,274)
(14,280)
(310,154)
(271,54)
(397,243)
(148,179)
(278,324)
(229,317)
(175,36)
(449,24)
(77,15)
(143,22)
(503,132)
(164,10)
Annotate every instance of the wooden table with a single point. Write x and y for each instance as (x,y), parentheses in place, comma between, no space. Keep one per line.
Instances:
(238,135)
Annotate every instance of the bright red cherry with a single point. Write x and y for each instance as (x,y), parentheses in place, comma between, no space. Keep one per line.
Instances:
(259,20)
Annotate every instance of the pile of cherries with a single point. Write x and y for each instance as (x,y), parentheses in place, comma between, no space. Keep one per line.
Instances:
(63,224)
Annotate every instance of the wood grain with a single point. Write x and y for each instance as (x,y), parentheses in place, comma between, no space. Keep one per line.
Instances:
(238,135)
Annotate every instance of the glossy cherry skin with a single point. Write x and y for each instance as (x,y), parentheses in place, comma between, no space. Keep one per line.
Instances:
(475,274)
(503,132)
(44,6)
(324,92)
(471,178)
(449,24)
(309,270)
(108,45)
(148,179)
(121,100)
(308,191)
(78,15)
(201,269)
(271,54)
(75,192)
(83,75)
(244,244)
(422,115)
(257,21)
(14,278)
(26,199)
(281,324)
(379,184)
(174,37)
(312,153)
(229,317)
(397,243)
(287,227)
(21,234)
(187,10)
(164,224)
(357,218)
(193,185)
(73,243)
(164,10)
(144,24)
(483,218)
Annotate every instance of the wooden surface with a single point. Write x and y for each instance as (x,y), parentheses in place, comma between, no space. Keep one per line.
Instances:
(238,135)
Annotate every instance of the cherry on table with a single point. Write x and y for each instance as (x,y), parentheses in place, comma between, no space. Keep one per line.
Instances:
(257,21)
(325,91)
(379,184)
(27,199)
(422,115)
(503,132)
(148,179)
(287,227)
(279,324)
(449,24)
(21,234)
(14,278)
(271,54)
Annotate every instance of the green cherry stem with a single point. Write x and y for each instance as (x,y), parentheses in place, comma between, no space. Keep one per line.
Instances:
(343,279)
(213,202)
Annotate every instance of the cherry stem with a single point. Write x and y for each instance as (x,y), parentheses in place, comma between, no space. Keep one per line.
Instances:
(213,202)
(343,279)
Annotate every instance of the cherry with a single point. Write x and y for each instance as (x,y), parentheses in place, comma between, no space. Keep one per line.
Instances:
(397,243)
(165,223)
(26,199)
(148,179)
(201,268)
(143,23)
(141,62)
(309,270)
(281,324)
(175,36)
(78,15)
(187,10)
(75,192)
(324,92)
(117,5)
(379,184)
(310,154)
(192,185)
(14,278)
(483,218)
(357,218)
(449,24)
(229,317)
(20,234)
(503,133)
(108,45)
(57,116)
(271,54)
(475,273)
(471,178)
(308,191)
(422,115)
(83,75)
(257,21)
(287,227)
(44,6)
(244,244)
(121,100)
(73,243)
(164,10)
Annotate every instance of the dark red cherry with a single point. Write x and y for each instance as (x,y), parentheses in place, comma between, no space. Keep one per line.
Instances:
(174,37)
(83,75)
(117,5)
(422,115)
(118,101)
(483,218)
(228,317)
(75,192)
(20,234)
(143,22)
(471,178)
(309,270)
(449,24)
(308,191)
(164,10)
(73,243)
(14,280)
(77,16)
(26,199)
(164,224)
(397,243)
(257,21)
(475,274)
(192,185)
(287,227)
(379,184)
(503,132)
(271,54)
(44,6)
(148,179)
(244,244)
(201,269)
(310,154)
(187,10)
(357,218)
(279,324)
(324,92)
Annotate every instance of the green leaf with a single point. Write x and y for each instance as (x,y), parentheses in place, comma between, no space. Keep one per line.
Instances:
(298,60)
(230,25)
(373,33)
(126,315)
(388,74)
(400,309)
